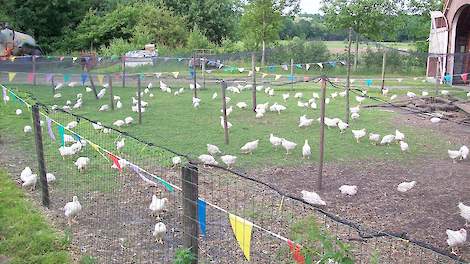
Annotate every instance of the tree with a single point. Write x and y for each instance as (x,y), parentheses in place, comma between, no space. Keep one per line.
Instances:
(370,18)
(261,23)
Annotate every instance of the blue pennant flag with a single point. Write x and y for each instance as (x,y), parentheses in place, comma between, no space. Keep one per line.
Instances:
(448,79)
(271,68)
(66,77)
(76,137)
(191,74)
(201,215)
(61,134)
(291,78)
(369,82)
(333,63)
(84,77)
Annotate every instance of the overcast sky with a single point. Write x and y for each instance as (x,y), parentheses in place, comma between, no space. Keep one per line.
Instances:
(310,6)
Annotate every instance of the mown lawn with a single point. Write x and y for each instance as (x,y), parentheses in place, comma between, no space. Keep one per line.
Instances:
(171,121)
(25,236)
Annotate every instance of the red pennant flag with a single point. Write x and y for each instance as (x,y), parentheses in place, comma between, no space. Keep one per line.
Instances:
(464,76)
(30,77)
(306,79)
(62,58)
(115,161)
(297,256)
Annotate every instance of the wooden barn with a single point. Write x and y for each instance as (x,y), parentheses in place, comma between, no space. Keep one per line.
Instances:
(449,41)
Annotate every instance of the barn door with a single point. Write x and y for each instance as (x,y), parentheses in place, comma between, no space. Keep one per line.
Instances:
(438,39)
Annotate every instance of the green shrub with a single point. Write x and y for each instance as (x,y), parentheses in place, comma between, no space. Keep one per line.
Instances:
(183,256)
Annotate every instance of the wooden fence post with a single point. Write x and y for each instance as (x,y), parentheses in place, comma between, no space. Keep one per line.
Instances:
(34,69)
(110,83)
(348,77)
(53,85)
(437,75)
(190,214)
(194,75)
(224,111)
(384,65)
(123,69)
(253,70)
(203,72)
(356,55)
(139,99)
(92,83)
(40,156)
(322,132)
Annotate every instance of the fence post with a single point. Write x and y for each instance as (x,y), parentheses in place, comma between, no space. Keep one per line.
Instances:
(194,75)
(348,77)
(384,64)
(139,99)
(92,83)
(437,75)
(322,132)
(53,85)
(253,70)
(123,69)
(356,55)
(110,83)
(34,69)
(40,156)
(203,72)
(292,74)
(190,215)
(224,110)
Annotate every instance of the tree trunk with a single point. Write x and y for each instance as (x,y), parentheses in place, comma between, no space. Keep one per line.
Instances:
(263,54)
(356,55)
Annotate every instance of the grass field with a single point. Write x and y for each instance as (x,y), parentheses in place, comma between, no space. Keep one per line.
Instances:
(171,121)
(25,235)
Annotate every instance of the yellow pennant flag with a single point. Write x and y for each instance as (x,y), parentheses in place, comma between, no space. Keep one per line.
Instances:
(95,147)
(242,229)
(277,77)
(11,76)
(100,78)
(264,75)
(257,69)
(12,58)
(175,74)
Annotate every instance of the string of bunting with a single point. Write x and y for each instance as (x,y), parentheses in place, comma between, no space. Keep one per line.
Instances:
(241,227)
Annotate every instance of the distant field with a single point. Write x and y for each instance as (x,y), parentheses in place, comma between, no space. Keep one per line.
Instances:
(337,46)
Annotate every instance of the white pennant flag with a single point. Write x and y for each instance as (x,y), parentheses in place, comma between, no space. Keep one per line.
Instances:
(158,74)
(175,74)
(320,64)
(278,76)
(284,67)
(264,75)
(241,70)
(307,66)
(250,73)
(399,80)
(257,69)
(209,71)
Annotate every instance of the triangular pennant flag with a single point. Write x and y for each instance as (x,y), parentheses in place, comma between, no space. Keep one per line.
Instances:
(158,74)
(11,76)
(175,74)
(115,161)
(333,64)
(307,66)
(49,77)
(12,58)
(66,77)
(201,215)
(257,69)
(291,78)
(95,147)
(31,77)
(448,79)
(336,80)
(320,64)
(100,59)
(136,169)
(399,80)
(242,229)
(141,76)
(76,137)
(84,77)
(13,97)
(209,71)
(74,59)
(180,59)
(298,66)
(250,73)
(296,254)
(369,82)
(61,58)
(278,76)
(264,75)
(241,70)
(117,76)
(464,77)
(100,78)
(271,68)
(49,128)
(306,79)
(285,67)
(61,130)
(352,80)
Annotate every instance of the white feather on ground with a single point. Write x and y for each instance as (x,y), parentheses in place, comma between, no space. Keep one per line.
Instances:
(406,186)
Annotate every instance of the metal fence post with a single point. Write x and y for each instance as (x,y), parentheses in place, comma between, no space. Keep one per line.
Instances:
(348,77)
(123,69)
(384,65)
(292,74)
(224,111)
(194,75)
(203,72)
(322,132)
(139,99)
(40,156)
(110,83)
(253,70)
(190,215)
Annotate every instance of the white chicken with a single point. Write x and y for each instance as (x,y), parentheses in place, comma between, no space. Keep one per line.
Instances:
(176,160)
(277,108)
(399,136)
(72,209)
(358,134)
(298,95)
(213,149)
(456,238)
(50,177)
(387,139)
(464,212)
(410,94)
(374,138)
(342,126)
(285,96)
(242,105)
(118,105)
(404,146)
(360,99)
(445,92)
(104,108)
(275,141)
(119,123)
(393,97)
(18,111)
(454,155)
(57,95)
(157,206)
(312,198)
(229,160)
(222,124)
(424,93)
(306,150)
(435,120)
(58,86)
(355,109)
(355,116)
(207,159)
(26,173)
(82,163)
(101,93)
(463,152)
(30,181)
(128,120)
(288,145)
(120,144)
(348,189)
(27,129)
(159,232)
(406,186)
(214,96)
(88,89)
(304,121)
(250,147)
